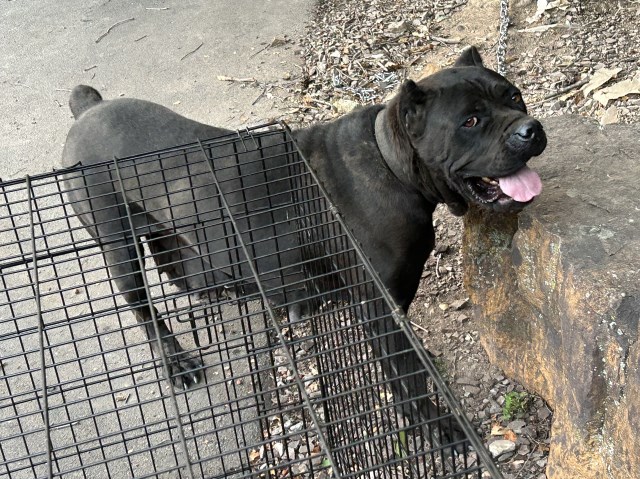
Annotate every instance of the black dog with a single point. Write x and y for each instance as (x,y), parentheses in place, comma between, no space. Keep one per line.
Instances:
(457,137)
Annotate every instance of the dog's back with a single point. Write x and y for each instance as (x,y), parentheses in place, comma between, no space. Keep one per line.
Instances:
(174,199)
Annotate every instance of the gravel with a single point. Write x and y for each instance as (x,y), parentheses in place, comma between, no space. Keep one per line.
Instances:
(357,52)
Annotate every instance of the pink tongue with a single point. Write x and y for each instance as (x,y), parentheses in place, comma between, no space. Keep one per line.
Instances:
(522,186)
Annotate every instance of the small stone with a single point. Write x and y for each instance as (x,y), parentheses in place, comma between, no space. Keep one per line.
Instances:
(278,449)
(467,381)
(516,426)
(441,248)
(459,304)
(472,390)
(544,413)
(501,447)
(398,27)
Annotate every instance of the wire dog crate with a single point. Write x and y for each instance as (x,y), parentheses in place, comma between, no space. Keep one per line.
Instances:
(282,396)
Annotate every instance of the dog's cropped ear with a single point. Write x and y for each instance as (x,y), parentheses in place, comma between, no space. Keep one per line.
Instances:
(413,108)
(470,58)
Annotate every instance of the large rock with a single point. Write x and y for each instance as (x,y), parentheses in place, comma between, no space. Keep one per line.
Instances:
(557,293)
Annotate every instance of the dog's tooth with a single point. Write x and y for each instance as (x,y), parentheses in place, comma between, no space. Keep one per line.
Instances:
(491,181)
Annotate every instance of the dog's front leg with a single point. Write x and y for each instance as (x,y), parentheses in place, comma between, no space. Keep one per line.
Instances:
(407,376)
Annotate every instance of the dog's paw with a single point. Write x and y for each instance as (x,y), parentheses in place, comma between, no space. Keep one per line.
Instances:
(186,372)
(452,437)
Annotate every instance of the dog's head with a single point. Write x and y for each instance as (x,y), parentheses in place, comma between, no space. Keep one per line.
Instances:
(469,125)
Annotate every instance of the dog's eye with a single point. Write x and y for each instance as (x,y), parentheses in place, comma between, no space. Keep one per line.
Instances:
(517,98)
(471,122)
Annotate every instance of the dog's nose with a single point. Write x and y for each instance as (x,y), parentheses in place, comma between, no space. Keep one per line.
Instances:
(527,138)
(528,130)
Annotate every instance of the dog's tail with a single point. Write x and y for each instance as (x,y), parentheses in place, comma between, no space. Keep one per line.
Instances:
(82,98)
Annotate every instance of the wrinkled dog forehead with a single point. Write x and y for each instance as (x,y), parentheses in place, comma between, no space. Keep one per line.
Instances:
(476,82)
(468,90)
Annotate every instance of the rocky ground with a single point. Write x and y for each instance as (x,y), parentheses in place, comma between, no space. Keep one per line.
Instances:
(569,57)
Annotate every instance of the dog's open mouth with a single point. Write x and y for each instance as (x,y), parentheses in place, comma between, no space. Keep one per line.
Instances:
(522,186)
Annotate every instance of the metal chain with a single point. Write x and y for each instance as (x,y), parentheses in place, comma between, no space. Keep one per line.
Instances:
(502,37)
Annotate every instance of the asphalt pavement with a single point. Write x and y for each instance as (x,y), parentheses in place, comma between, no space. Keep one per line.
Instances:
(171,52)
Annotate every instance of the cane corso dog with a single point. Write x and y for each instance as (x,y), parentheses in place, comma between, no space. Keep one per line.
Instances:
(460,136)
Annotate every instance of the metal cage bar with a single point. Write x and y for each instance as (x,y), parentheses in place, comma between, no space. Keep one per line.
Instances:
(165,362)
(243,257)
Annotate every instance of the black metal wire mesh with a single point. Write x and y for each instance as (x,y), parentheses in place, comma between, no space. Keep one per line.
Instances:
(82,395)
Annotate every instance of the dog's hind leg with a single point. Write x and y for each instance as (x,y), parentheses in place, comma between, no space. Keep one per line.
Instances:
(124,268)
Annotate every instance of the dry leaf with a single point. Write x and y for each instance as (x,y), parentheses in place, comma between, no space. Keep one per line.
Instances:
(254,455)
(543,6)
(620,89)
(599,78)
(498,430)
(279,41)
(510,435)
(429,69)
(610,116)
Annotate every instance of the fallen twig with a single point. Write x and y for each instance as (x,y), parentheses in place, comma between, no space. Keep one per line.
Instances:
(138,39)
(157,8)
(416,325)
(192,51)
(112,27)
(264,90)
(320,102)
(446,41)
(234,79)
(562,91)
(90,68)
(567,89)
(261,50)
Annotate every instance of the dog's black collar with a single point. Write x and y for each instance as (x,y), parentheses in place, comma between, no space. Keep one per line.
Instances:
(389,153)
